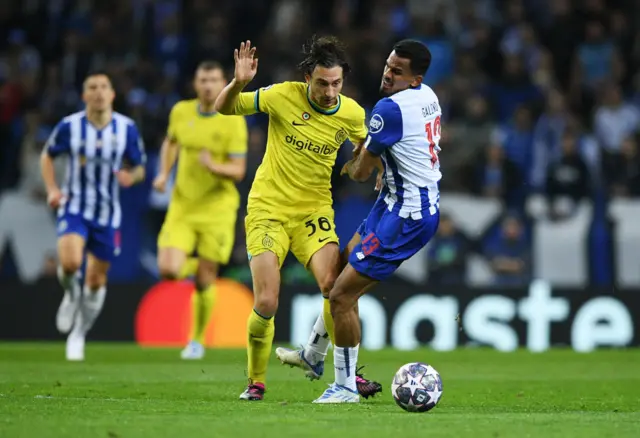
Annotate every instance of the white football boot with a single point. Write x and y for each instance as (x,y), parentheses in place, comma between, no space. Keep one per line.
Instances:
(295,358)
(338,394)
(193,351)
(68,309)
(75,341)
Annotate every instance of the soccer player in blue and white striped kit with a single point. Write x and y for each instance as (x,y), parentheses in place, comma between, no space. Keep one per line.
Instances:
(404,132)
(105,152)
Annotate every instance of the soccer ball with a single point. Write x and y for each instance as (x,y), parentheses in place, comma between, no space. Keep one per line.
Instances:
(416,387)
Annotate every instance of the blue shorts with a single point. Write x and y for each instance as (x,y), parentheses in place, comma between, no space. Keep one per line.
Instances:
(101,241)
(388,240)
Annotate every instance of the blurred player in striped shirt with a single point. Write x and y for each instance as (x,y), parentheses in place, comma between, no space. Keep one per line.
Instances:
(104,151)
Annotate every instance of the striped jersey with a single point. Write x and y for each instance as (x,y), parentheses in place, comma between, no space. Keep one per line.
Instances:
(95,155)
(404,130)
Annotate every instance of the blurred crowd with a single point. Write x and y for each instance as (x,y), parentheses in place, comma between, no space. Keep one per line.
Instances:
(538,96)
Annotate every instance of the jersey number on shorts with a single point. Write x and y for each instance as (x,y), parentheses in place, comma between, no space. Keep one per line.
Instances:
(370,244)
(433,129)
(323,224)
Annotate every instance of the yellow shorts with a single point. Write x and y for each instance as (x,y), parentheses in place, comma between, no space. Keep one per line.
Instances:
(304,235)
(211,235)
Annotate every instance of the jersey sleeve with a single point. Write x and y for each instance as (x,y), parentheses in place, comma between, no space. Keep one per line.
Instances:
(134,150)
(358,132)
(239,138)
(385,126)
(263,100)
(173,122)
(246,103)
(59,142)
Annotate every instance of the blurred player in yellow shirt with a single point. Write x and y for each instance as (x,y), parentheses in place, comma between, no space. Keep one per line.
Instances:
(290,205)
(204,203)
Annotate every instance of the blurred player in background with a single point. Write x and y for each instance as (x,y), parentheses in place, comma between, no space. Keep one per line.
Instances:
(98,142)
(204,203)
(404,131)
(290,205)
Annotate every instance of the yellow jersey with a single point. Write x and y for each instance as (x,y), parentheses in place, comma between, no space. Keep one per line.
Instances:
(302,146)
(224,136)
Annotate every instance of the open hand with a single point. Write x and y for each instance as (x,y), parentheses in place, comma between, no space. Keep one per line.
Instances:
(246,63)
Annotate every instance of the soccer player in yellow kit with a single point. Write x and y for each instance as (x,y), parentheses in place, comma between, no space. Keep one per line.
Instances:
(204,203)
(290,205)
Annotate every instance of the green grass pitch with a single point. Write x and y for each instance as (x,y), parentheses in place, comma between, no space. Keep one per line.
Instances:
(125,391)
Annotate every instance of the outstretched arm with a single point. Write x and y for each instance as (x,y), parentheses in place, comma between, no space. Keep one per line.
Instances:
(246,69)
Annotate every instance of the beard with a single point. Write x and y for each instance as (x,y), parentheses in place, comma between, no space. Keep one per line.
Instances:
(384,92)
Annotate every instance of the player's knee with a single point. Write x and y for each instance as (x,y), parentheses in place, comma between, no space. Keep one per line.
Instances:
(205,277)
(202,284)
(168,272)
(266,302)
(326,284)
(95,280)
(341,302)
(70,265)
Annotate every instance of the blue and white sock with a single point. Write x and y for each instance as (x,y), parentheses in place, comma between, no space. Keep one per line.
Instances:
(92,303)
(318,343)
(345,360)
(69,282)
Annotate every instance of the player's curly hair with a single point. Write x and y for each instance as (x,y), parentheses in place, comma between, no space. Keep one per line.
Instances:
(326,51)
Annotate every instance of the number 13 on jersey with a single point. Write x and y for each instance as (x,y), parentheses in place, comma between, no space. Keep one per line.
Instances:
(432,128)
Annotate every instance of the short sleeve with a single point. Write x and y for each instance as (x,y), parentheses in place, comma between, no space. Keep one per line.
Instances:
(59,142)
(246,104)
(172,133)
(358,132)
(263,100)
(239,138)
(134,150)
(385,126)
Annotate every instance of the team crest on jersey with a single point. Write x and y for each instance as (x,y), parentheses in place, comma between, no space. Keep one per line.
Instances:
(306,116)
(83,160)
(341,136)
(376,124)
(267,241)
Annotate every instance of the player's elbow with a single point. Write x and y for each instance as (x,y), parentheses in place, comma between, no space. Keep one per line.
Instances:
(221,106)
(222,110)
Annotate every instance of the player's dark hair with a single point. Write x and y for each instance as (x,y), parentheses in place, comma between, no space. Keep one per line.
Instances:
(326,51)
(209,65)
(417,53)
(94,73)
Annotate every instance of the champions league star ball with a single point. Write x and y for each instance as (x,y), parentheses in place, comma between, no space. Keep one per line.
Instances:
(416,387)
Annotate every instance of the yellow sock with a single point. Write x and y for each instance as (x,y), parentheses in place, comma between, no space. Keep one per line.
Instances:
(189,268)
(202,302)
(260,331)
(328,320)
